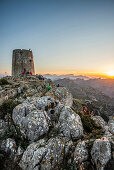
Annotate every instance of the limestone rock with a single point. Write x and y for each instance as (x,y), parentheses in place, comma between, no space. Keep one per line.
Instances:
(111,125)
(35,125)
(20,151)
(43,102)
(62,94)
(42,155)
(33,122)
(0,88)
(3,127)
(101,152)
(81,152)
(70,124)
(99,121)
(9,146)
(19,90)
(21,111)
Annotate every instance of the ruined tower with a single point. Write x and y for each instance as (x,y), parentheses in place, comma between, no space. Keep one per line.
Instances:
(22,61)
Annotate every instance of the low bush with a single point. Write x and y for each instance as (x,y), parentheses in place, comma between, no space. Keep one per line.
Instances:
(3,81)
(7,107)
(88,122)
(90,127)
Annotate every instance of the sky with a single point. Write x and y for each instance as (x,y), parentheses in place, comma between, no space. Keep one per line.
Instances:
(65,36)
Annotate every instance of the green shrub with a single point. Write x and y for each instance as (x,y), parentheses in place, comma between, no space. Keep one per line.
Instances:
(13,132)
(7,107)
(3,81)
(88,123)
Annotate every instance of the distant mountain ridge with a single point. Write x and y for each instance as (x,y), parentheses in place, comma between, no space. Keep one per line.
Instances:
(104,85)
(69,76)
(101,103)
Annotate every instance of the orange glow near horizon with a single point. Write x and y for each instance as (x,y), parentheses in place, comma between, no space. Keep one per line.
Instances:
(108,74)
(89,74)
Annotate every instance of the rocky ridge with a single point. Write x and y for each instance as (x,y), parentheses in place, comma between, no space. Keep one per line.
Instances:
(43,130)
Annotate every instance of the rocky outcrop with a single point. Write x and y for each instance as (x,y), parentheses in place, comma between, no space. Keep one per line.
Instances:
(81,152)
(43,103)
(70,124)
(99,121)
(62,94)
(101,152)
(36,115)
(47,132)
(33,122)
(42,155)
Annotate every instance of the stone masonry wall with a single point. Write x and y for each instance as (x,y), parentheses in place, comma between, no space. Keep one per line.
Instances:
(22,60)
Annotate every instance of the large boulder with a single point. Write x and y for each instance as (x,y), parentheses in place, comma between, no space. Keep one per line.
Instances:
(35,125)
(62,94)
(44,103)
(101,152)
(36,114)
(99,121)
(70,124)
(81,152)
(42,155)
(32,118)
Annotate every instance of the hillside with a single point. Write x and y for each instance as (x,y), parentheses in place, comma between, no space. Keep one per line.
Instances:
(101,103)
(43,128)
(104,85)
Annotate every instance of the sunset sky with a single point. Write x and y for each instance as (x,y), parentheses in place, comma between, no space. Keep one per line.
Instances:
(66,36)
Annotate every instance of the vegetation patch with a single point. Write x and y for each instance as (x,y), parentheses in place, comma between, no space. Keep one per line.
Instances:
(88,123)
(3,81)
(7,108)
(11,131)
(91,129)
(14,132)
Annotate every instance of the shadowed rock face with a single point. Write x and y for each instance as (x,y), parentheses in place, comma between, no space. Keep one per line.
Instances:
(34,118)
(101,152)
(42,155)
(22,60)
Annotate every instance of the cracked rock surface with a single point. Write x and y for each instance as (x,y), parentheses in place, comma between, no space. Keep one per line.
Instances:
(81,152)
(101,152)
(32,121)
(70,124)
(62,94)
(45,155)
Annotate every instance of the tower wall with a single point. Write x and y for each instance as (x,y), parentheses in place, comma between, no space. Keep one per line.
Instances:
(22,60)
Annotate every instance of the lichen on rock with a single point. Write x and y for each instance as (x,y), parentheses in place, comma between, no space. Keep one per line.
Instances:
(101,152)
(62,94)
(70,124)
(45,155)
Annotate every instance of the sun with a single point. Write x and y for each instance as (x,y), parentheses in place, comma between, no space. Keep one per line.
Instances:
(110,73)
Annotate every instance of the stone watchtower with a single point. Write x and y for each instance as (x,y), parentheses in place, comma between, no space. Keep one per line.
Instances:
(22,61)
